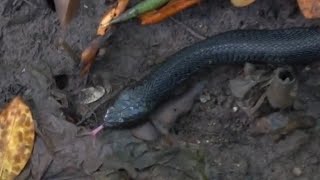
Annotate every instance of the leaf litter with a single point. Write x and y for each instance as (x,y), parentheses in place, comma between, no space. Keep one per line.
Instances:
(60,152)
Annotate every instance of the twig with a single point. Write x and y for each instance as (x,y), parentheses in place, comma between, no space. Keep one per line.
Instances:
(30,3)
(191,31)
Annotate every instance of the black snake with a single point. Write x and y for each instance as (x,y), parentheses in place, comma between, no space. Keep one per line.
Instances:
(281,46)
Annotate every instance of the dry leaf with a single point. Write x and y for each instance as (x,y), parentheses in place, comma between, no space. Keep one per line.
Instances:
(310,8)
(16,138)
(88,55)
(170,9)
(66,10)
(109,15)
(242,3)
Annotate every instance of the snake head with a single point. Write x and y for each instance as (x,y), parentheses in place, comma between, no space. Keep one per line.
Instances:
(126,110)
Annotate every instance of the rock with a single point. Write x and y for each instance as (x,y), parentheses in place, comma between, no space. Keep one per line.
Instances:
(205,98)
(297,171)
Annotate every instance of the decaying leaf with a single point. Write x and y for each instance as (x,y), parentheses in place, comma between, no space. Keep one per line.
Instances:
(310,8)
(280,124)
(283,88)
(89,54)
(166,115)
(170,9)
(242,3)
(91,94)
(17,134)
(66,10)
(109,15)
(139,9)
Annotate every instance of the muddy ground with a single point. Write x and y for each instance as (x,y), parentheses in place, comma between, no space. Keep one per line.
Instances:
(29,33)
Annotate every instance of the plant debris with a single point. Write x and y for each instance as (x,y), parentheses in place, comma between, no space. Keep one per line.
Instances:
(310,8)
(280,124)
(282,90)
(242,3)
(170,9)
(146,132)
(91,94)
(250,89)
(166,115)
(66,10)
(138,9)
(89,54)
(111,14)
(17,131)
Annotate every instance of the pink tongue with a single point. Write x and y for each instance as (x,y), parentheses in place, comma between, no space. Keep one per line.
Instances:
(96,131)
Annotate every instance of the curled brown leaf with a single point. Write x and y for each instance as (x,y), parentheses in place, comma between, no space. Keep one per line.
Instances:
(310,8)
(111,14)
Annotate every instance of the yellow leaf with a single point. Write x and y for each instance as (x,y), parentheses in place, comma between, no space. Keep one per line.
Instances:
(16,138)
(242,3)
(310,8)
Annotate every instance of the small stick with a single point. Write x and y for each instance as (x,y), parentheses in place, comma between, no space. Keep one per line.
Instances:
(191,31)
(30,3)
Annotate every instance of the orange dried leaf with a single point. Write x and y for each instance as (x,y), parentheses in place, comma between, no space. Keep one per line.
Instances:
(17,134)
(88,55)
(122,5)
(242,3)
(310,8)
(111,14)
(170,9)
(105,22)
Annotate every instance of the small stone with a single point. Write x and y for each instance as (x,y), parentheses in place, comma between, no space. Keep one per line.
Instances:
(307,68)
(297,171)
(207,141)
(235,109)
(85,6)
(205,98)
(198,141)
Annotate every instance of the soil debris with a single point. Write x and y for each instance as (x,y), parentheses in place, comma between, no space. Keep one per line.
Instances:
(166,115)
(211,141)
(280,124)
(282,90)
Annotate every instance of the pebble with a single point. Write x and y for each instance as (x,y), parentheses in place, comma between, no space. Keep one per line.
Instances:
(297,171)
(307,68)
(205,98)
(235,109)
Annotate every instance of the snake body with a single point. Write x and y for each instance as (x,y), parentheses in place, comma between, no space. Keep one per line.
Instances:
(280,46)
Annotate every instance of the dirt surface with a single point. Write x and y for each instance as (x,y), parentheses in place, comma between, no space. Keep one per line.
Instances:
(29,33)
